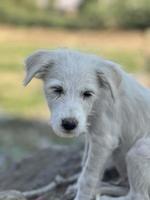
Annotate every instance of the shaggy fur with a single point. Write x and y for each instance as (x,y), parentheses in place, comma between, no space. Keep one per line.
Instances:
(108,106)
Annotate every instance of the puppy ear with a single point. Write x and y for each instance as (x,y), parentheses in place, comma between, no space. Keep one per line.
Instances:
(109,76)
(37,64)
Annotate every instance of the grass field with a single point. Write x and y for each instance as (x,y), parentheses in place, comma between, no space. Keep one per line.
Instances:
(127,48)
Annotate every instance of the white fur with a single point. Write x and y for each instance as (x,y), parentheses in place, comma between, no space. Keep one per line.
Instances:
(114,119)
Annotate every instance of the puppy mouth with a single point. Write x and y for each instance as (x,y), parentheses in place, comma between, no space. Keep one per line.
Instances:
(66,135)
(69,134)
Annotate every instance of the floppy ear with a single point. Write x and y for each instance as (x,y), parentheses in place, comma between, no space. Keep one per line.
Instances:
(37,64)
(109,76)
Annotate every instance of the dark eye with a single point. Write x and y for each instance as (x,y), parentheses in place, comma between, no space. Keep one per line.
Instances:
(57,89)
(87,94)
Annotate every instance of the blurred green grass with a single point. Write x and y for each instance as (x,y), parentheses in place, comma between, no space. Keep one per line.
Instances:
(16,99)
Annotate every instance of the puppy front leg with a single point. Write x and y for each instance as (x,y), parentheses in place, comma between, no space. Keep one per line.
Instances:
(98,153)
(86,149)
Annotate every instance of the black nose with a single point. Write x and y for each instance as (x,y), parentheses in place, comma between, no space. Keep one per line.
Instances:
(69,124)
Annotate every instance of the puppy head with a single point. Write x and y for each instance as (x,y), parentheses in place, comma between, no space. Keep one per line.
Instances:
(72,83)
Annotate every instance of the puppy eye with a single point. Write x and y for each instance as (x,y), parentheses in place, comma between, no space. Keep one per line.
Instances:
(57,89)
(87,94)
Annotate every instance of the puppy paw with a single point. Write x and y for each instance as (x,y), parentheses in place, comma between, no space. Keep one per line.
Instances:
(71,190)
(70,193)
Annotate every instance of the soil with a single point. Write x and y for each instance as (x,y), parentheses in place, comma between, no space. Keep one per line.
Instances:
(41,169)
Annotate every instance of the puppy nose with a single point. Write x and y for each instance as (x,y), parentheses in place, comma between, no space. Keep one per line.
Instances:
(69,123)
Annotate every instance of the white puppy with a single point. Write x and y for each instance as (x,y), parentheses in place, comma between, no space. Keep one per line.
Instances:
(87,94)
